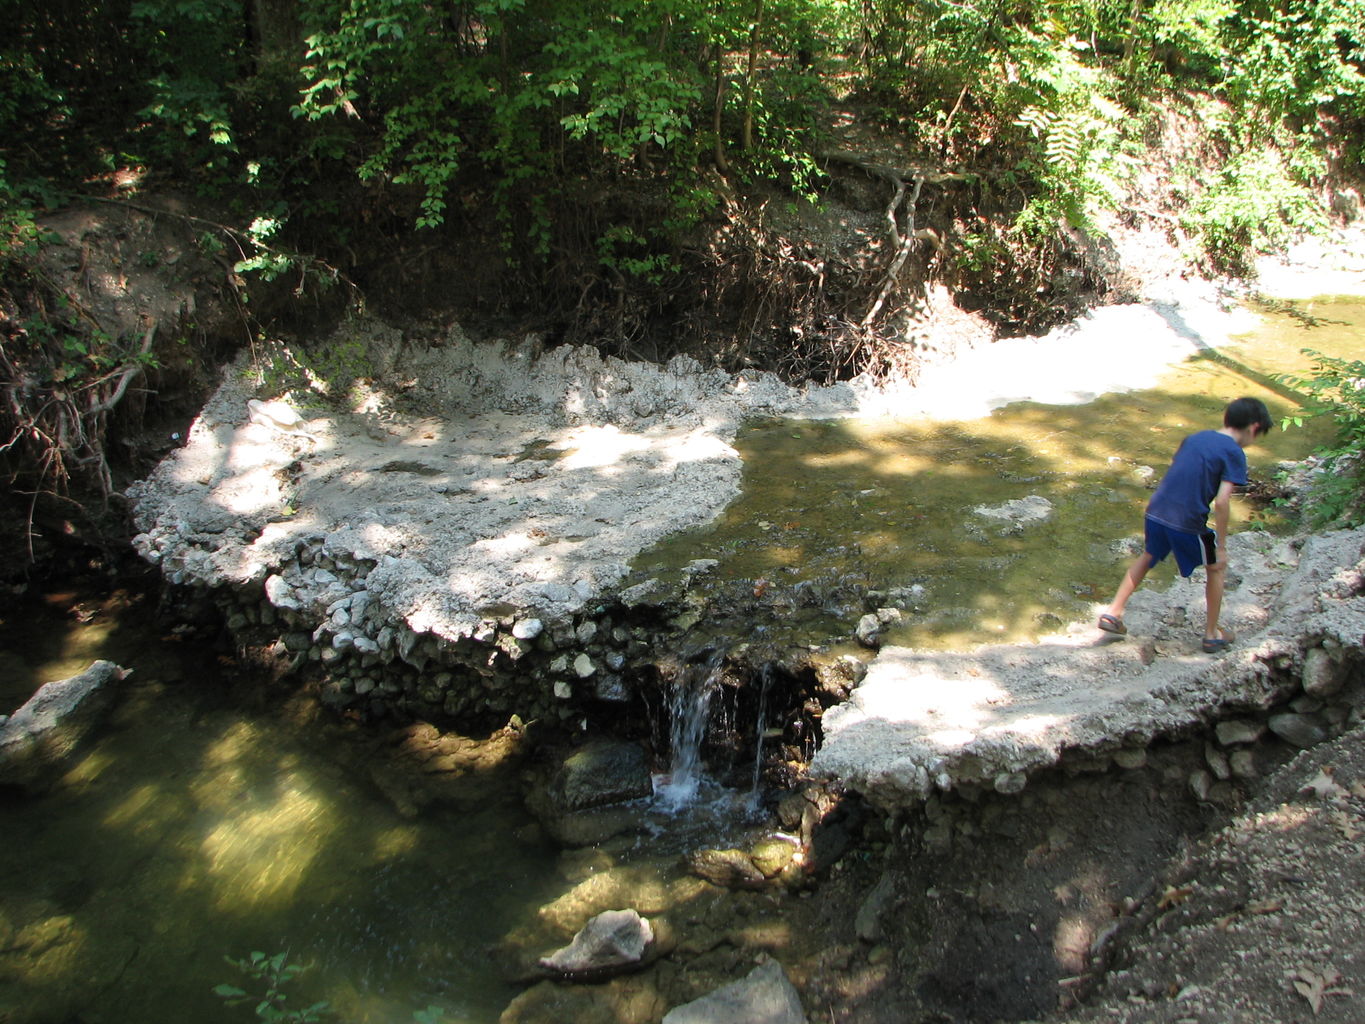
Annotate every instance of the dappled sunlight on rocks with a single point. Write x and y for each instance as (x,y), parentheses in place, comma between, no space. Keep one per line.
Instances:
(1285,818)
(952,701)
(509,545)
(60,947)
(638,887)
(1037,726)
(89,767)
(771,935)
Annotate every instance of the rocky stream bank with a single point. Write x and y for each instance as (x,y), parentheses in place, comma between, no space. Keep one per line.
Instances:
(1005,834)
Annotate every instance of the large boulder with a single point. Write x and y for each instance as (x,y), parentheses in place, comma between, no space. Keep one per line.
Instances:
(38,740)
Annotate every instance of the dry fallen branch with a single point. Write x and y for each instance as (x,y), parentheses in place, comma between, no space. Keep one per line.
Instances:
(903,246)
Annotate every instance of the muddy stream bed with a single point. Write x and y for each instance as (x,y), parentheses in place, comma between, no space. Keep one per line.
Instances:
(211,818)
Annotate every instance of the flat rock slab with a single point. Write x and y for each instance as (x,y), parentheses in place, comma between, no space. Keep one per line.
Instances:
(476,477)
(922,721)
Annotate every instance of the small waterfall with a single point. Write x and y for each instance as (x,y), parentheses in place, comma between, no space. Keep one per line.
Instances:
(765,677)
(689,706)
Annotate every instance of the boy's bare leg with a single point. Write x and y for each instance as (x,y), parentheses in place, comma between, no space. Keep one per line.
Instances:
(1213,599)
(1132,579)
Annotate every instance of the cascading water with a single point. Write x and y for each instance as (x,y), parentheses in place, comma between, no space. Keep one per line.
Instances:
(765,678)
(689,706)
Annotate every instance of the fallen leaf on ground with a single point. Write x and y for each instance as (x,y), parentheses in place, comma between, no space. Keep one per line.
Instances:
(1346,824)
(1259,907)
(1316,987)
(1174,896)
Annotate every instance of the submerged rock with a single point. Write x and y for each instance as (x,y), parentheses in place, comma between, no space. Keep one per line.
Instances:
(620,999)
(730,869)
(588,799)
(1017,514)
(39,739)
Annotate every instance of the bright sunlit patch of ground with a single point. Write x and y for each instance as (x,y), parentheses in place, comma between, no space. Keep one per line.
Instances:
(597,446)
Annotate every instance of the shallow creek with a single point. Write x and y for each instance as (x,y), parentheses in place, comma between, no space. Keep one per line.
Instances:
(206,823)
(890,503)
(197,828)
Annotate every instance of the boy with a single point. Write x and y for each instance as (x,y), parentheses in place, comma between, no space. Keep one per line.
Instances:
(1206,467)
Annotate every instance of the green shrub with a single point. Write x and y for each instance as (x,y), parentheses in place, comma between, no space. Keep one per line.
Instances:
(1254,205)
(1335,388)
(270,974)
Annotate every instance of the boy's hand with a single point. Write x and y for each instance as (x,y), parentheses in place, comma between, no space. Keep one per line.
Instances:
(1220,556)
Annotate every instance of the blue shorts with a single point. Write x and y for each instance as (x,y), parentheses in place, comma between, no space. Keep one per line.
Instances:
(1191,549)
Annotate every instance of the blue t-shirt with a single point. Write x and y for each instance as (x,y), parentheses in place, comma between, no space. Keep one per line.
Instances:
(1202,462)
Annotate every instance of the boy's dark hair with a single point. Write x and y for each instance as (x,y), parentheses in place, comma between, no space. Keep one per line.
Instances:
(1244,412)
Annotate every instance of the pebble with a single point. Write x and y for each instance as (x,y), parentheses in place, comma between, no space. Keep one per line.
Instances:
(1217,762)
(1302,731)
(1131,757)
(1243,764)
(1201,782)
(528,629)
(1237,731)
(1322,673)
(1010,783)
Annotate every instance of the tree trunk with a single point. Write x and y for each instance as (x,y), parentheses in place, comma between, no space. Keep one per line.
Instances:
(275,30)
(717,116)
(1130,43)
(754,33)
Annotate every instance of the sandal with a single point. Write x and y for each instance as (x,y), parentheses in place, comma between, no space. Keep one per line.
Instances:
(1218,644)
(1112,624)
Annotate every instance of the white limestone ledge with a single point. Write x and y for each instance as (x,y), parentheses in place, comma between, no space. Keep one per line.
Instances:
(926,721)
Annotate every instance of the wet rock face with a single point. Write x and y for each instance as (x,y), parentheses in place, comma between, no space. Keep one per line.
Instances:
(602,772)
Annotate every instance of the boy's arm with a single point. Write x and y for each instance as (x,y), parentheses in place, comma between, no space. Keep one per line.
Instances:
(1222,508)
